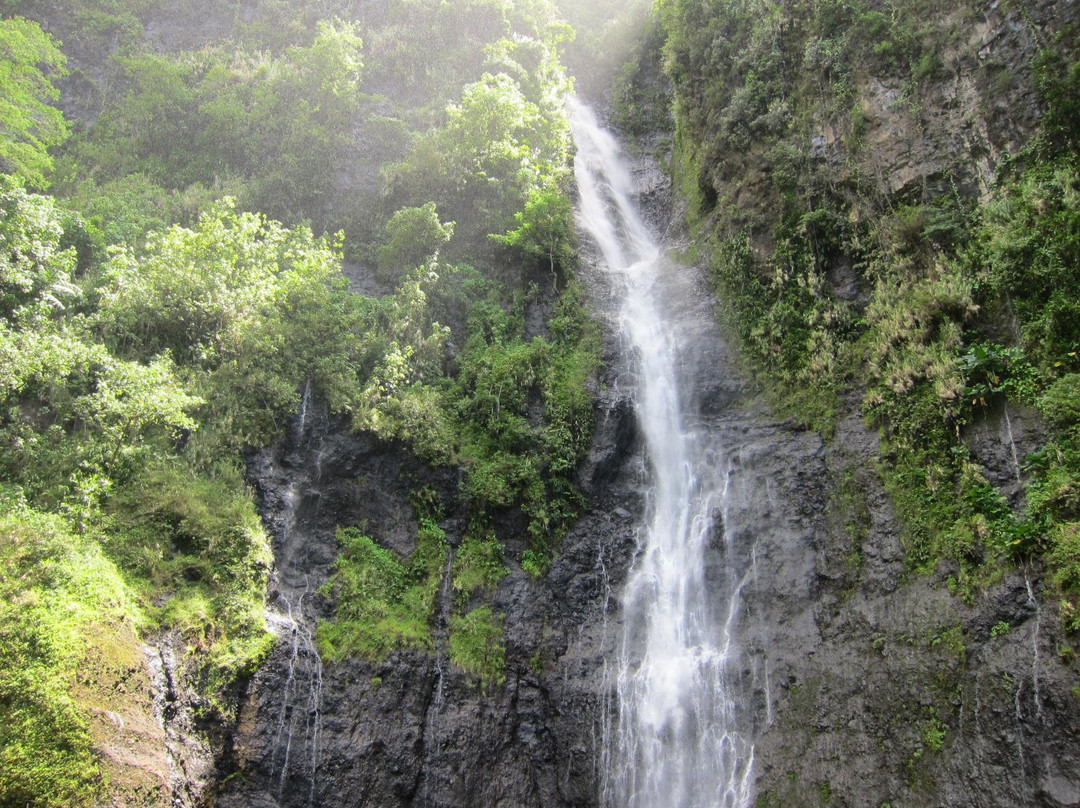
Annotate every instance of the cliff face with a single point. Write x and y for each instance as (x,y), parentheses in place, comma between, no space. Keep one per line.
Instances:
(892,690)
(869,103)
(803,144)
(414,730)
(863,682)
(975,103)
(860,685)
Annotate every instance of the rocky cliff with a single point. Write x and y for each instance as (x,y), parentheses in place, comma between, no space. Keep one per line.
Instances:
(415,731)
(864,679)
(890,681)
(864,684)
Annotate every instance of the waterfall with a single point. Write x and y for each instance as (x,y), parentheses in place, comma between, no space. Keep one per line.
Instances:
(673,741)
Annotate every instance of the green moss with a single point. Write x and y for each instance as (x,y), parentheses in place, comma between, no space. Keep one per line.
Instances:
(383,601)
(477,646)
(825,792)
(195,549)
(56,591)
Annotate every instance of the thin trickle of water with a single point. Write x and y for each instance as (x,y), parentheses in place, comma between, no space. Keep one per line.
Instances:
(978,709)
(1012,447)
(431,730)
(300,711)
(160,664)
(288,622)
(301,416)
(674,740)
(1034,603)
(437,705)
(1019,732)
(769,715)
(315,694)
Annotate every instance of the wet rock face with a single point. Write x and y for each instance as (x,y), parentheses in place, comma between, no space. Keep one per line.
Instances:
(412,730)
(859,683)
(918,699)
(884,687)
(189,743)
(999,440)
(980,103)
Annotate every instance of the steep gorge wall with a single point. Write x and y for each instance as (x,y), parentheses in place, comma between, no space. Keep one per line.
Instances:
(891,680)
(306,729)
(414,729)
(875,104)
(866,685)
(886,688)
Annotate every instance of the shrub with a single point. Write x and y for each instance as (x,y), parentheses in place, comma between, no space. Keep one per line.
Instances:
(383,602)
(54,589)
(476,646)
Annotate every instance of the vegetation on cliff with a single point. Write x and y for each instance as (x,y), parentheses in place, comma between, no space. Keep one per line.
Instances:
(163,310)
(180,259)
(837,159)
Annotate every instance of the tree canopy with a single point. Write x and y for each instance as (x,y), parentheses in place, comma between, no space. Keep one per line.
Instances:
(30,123)
(167,306)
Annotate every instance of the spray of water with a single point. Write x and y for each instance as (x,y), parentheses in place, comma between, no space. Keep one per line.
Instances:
(674,741)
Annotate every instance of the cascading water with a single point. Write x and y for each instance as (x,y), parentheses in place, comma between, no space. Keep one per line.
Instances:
(294,753)
(300,714)
(674,742)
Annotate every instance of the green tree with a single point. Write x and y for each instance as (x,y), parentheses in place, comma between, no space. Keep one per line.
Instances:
(413,236)
(333,65)
(303,118)
(253,308)
(29,124)
(543,229)
(203,293)
(33,265)
(269,129)
(153,128)
(130,398)
(496,147)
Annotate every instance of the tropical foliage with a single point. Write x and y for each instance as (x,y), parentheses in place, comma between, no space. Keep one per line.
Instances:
(163,310)
(936,305)
(30,124)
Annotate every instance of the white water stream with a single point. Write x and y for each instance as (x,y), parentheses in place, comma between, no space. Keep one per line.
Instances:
(674,742)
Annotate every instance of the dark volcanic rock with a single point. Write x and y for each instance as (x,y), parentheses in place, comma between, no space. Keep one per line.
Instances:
(412,730)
